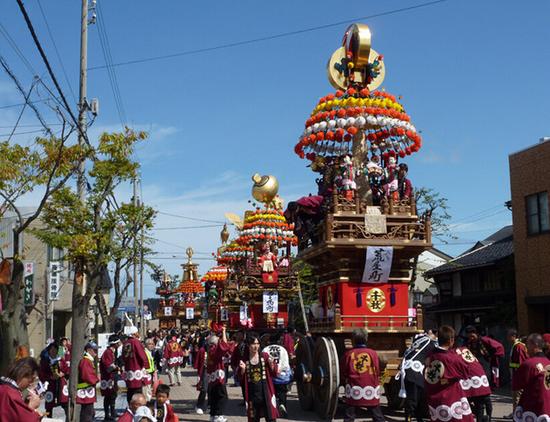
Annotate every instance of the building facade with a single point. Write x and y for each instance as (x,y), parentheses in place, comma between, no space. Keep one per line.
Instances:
(477,287)
(48,284)
(530,187)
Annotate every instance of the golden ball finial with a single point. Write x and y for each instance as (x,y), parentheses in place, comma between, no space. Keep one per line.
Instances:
(265,188)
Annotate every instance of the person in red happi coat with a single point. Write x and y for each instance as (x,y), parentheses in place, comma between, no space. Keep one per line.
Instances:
(135,364)
(443,372)
(215,373)
(20,376)
(87,380)
(518,354)
(533,377)
(173,356)
(476,386)
(108,370)
(257,377)
(361,375)
(54,370)
(488,350)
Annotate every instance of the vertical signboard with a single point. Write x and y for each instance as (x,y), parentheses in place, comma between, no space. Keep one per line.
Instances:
(28,283)
(54,279)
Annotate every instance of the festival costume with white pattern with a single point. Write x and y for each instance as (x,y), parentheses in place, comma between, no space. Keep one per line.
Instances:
(533,377)
(361,373)
(444,369)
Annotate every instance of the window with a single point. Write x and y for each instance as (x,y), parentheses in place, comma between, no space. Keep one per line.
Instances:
(470,282)
(538,220)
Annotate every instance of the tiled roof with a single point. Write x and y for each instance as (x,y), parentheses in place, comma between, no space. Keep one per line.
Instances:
(482,256)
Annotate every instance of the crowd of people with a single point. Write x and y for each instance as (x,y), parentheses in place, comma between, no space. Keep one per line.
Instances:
(443,377)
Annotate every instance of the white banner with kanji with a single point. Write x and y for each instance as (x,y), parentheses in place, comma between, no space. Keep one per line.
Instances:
(377,264)
(271,302)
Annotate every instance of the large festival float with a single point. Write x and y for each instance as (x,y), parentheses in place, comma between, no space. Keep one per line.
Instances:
(361,232)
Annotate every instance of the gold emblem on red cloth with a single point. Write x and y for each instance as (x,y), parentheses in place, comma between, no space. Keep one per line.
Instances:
(434,372)
(376,299)
(361,362)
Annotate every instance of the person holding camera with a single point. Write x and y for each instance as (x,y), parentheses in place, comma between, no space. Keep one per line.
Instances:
(21,375)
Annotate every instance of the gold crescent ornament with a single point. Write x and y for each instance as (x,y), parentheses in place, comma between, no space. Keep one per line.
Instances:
(350,63)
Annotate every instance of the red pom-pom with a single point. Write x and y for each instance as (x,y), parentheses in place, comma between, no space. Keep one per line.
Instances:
(408,151)
(351,91)
(341,113)
(320,136)
(402,153)
(353,130)
(364,92)
(330,135)
(347,137)
(339,93)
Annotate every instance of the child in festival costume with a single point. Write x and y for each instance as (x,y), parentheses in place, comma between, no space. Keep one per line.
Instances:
(108,371)
(361,374)
(444,369)
(54,370)
(161,408)
(87,380)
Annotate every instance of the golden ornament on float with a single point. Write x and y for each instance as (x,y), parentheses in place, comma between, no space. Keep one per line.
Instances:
(265,188)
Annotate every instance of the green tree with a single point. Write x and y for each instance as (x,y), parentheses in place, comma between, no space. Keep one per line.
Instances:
(44,168)
(88,231)
(433,207)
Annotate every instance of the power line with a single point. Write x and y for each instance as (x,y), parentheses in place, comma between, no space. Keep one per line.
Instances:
(22,104)
(187,227)
(21,90)
(106,48)
(15,48)
(56,50)
(48,66)
(21,112)
(22,133)
(191,218)
(271,37)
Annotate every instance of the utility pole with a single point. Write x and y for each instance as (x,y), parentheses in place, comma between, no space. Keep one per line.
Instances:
(135,202)
(141,241)
(82,102)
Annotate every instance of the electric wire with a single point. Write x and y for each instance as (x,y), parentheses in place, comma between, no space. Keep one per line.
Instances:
(271,37)
(187,227)
(7,69)
(106,49)
(191,218)
(56,51)
(21,112)
(17,51)
(49,68)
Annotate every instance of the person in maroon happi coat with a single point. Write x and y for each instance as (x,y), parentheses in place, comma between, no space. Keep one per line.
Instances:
(173,356)
(108,370)
(533,377)
(135,364)
(476,386)
(518,354)
(486,350)
(443,372)
(361,375)
(87,380)
(256,375)
(215,373)
(54,370)
(20,376)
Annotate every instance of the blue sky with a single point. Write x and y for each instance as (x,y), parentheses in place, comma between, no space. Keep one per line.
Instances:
(473,76)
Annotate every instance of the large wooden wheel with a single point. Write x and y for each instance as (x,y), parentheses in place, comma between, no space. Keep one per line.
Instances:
(326,378)
(304,367)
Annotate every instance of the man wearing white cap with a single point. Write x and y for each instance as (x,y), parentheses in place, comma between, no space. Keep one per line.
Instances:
(135,364)
(144,414)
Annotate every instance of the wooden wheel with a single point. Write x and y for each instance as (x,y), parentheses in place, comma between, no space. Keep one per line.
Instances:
(326,378)
(304,366)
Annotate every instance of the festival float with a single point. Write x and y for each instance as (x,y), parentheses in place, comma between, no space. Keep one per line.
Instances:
(361,232)
(260,280)
(190,292)
(165,313)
